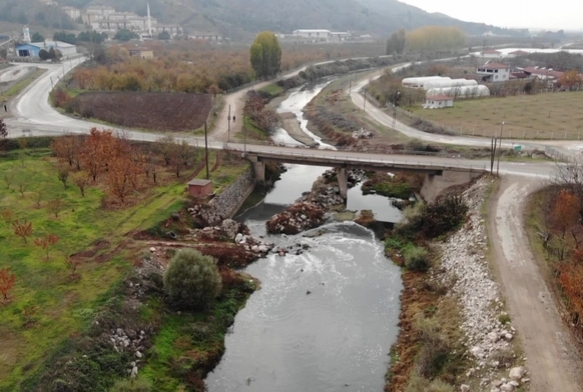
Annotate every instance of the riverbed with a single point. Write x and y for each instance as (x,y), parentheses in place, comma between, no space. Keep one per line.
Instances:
(326,315)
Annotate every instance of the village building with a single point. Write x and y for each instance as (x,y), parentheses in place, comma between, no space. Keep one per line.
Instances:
(438,102)
(517,53)
(494,72)
(491,54)
(71,12)
(144,53)
(33,49)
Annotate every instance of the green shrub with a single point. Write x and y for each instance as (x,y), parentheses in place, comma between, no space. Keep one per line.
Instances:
(442,216)
(192,280)
(416,258)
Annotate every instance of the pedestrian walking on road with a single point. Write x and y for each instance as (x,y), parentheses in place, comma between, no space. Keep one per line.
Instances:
(233,118)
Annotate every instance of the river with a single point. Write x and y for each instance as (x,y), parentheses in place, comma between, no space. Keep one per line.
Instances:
(325,319)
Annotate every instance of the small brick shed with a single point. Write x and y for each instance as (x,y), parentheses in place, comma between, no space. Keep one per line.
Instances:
(198,187)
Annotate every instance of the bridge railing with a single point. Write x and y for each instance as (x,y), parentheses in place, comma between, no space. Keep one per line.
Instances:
(336,155)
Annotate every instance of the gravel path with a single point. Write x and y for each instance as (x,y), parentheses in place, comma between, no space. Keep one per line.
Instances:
(552,358)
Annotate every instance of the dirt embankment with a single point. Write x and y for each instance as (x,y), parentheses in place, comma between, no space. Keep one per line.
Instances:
(153,111)
(291,124)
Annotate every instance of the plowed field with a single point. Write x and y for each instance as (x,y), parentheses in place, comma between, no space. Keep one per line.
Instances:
(154,111)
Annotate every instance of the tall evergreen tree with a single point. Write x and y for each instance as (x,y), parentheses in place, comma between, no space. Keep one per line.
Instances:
(265,55)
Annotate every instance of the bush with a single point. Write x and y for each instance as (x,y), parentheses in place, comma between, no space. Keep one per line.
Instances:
(192,280)
(443,215)
(416,258)
(434,353)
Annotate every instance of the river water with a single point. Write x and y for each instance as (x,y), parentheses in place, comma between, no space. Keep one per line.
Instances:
(324,320)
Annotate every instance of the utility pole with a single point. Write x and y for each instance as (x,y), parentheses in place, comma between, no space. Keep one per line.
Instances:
(500,149)
(229,125)
(206,151)
(244,140)
(364,103)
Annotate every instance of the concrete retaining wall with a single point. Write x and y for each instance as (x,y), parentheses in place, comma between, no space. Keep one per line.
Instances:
(434,185)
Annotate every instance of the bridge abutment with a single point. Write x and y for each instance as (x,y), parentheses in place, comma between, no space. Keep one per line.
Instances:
(259,170)
(435,184)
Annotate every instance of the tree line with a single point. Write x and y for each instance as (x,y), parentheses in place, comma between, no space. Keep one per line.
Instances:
(425,39)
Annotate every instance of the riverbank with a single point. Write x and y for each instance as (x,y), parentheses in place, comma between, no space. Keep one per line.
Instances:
(455,332)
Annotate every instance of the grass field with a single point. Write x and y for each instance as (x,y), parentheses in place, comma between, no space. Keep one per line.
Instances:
(21,85)
(44,292)
(543,116)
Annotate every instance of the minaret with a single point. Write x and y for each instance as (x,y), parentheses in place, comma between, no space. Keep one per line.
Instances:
(149,22)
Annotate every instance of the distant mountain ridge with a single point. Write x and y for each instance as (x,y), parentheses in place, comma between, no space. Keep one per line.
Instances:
(243,18)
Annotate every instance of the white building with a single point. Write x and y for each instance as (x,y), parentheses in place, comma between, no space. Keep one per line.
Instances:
(72,12)
(448,83)
(323,35)
(460,92)
(438,102)
(491,54)
(95,13)
(494,72)
(419,81)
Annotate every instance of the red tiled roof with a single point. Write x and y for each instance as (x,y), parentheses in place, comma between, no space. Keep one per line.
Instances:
(495,66)
(440,97)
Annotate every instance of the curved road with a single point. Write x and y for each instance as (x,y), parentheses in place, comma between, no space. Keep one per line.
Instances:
(552,359)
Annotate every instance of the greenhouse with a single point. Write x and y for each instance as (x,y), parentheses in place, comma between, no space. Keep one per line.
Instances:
(460,92)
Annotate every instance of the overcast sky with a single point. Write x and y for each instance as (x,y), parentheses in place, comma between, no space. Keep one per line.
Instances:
(508,13)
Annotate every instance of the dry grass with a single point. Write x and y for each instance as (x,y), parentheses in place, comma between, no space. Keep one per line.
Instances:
(543,116)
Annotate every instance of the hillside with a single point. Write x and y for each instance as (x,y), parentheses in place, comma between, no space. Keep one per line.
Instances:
(240,19)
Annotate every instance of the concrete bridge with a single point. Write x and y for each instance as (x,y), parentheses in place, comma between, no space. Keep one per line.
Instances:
(439,176)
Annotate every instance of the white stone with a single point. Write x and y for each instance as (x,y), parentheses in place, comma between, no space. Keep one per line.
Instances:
(239,238)
(152,249)
(507,388)
(464,388)
(515,384)
(516,373)
(134,372)
(139,354)
(508,336)
(525,380)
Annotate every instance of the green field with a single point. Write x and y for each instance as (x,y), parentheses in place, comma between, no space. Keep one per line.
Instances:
(543,116)
(21,85)
(46,305)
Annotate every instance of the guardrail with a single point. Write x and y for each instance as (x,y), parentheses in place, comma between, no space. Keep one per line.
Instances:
(358,158)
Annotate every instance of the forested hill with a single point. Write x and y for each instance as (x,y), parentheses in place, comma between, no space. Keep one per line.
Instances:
(240,18)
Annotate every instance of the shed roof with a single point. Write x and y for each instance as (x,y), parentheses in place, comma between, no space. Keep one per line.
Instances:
(491,51)
(519,52)
(199,182)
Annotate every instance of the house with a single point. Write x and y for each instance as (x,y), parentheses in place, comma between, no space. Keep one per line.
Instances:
(494,72)
(517,53)
(207,36)
(33,49)
(438,102)
(72,12)
(339,36)
(491,54)
(543,73)
(144,53)
(321,35)
(198,187)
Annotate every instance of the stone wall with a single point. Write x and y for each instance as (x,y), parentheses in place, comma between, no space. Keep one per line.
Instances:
(227,203)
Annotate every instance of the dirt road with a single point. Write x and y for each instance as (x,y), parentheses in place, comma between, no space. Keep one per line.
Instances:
(552,358)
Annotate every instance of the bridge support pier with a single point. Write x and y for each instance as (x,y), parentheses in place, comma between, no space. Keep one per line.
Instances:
(259,169)
(342,175)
